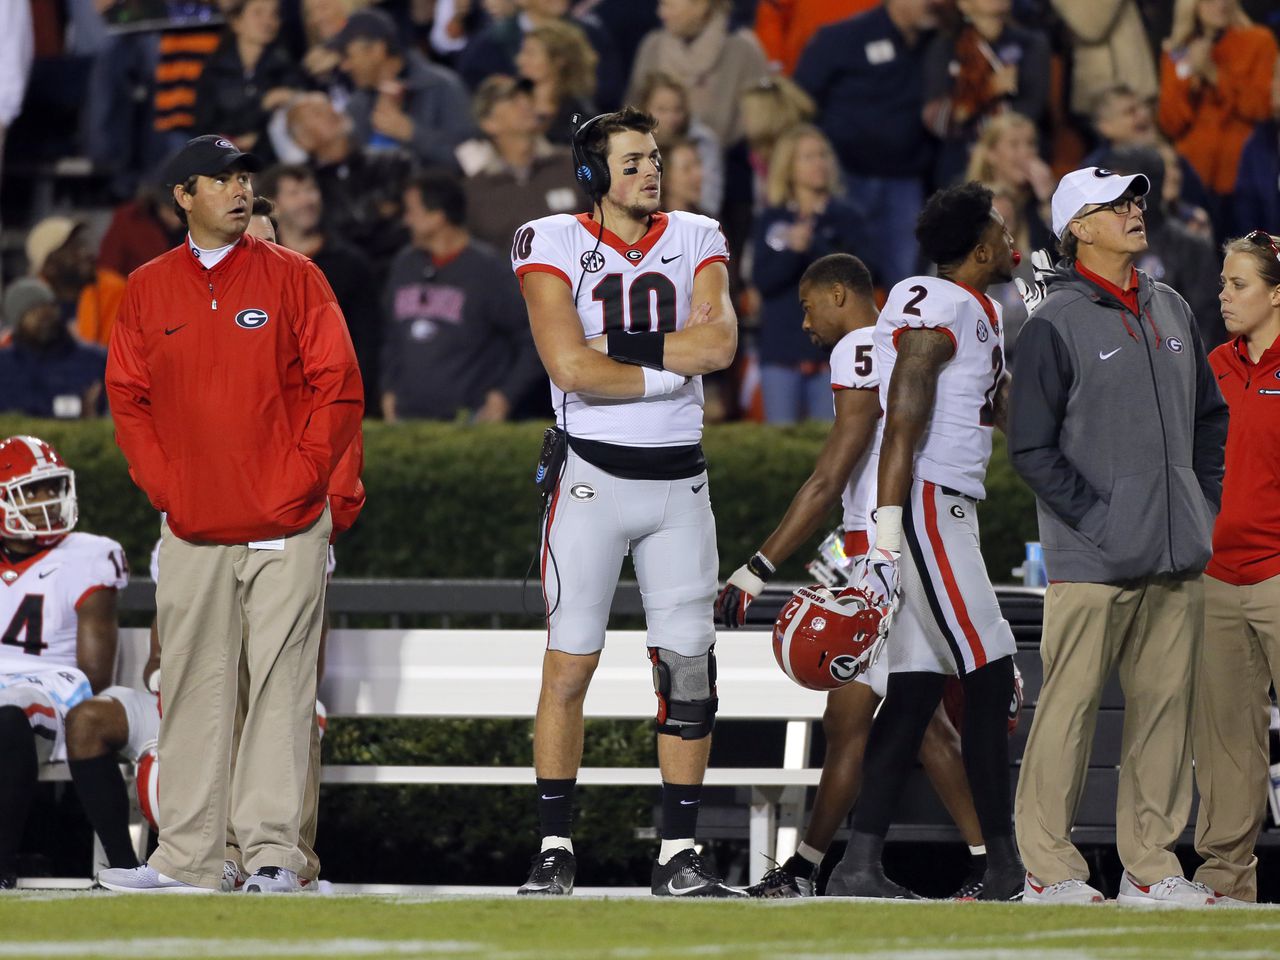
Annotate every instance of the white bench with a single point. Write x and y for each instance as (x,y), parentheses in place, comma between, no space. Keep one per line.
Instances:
(496,673)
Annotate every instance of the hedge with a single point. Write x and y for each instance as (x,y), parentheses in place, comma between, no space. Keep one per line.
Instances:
(456,500)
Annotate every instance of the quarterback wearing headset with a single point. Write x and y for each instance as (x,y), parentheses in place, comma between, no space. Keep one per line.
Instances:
(628,307)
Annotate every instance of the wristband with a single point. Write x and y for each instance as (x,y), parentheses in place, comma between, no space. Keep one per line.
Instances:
(761,567)
(659,383)
(642,349)
(152,681)
(889,529)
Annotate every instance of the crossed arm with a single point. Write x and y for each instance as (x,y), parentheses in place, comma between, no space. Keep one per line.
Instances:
(575,365)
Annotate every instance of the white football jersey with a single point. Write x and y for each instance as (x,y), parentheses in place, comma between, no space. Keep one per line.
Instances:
(853,367)
(39,597)
(645,286)
(957,443)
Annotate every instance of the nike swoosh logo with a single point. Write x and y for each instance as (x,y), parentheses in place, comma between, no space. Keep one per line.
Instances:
(1108,356)
(170,331)
(699,486)
(558,796)
(1223,374)
(669,259)
(44,573)
(680,891)
(689,803)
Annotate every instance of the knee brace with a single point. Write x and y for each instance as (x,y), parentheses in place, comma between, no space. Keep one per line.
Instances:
(686,688)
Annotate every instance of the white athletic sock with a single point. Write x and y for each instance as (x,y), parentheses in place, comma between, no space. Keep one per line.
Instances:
(550,843)
(979,851)
(671,847)
(810,854)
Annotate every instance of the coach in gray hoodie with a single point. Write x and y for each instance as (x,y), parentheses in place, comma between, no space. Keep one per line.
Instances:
(1117,425)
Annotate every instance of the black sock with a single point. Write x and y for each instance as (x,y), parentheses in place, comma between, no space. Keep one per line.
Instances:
(892,746)
(680,803)
(105,799)
(18,771)
(555,806)
(985,746)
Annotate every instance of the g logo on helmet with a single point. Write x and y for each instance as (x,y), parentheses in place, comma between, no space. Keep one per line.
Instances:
(823,640)
(224,144)
(252,319)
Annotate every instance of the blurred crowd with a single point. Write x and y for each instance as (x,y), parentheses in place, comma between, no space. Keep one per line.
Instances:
(407,139)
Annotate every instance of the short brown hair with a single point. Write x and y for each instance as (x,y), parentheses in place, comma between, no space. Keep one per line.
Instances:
(495,89)
(268,184)
(596,140)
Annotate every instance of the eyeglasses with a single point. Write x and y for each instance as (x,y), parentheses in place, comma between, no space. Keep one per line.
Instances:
(1120,207)
(1263,239)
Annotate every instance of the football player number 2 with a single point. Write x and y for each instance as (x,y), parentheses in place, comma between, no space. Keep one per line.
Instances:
(650,294)
(30,614)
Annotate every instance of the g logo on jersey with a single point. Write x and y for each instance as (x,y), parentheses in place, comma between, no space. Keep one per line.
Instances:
(957,511)
(9,576)
(1174,344)
(252,319)
(634,255)
(592,261)
(583,492)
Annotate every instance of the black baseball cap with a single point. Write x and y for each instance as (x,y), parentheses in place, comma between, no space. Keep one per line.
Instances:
(207,156)
(367,25)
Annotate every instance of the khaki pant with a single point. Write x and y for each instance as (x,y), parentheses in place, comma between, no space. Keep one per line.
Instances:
(310,798)
(1152,630)
(207,596)
(1239,661)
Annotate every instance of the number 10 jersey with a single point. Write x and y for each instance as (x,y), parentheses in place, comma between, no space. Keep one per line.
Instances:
(957,444)
(646,286)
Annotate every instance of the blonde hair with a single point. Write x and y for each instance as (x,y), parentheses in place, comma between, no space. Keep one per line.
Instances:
(780,184)
(572,57)
(981,167)
(1264,258)
(770,107)
(1186,25)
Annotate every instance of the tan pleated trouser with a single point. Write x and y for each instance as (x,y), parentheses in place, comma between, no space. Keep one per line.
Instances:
(1152,631)
(1239,661)
(203,601)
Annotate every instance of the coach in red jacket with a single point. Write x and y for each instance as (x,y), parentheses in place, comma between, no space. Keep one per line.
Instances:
(235,393)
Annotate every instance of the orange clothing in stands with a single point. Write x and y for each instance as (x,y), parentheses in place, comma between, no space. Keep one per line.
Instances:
(785,26)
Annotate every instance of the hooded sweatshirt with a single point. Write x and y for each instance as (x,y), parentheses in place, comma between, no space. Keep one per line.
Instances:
(1118,427)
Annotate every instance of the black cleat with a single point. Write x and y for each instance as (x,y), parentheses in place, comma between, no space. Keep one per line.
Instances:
(971,887)
(860,873)
(685,876)
(1004,867)
(795,878)
(551,875)
(8,881)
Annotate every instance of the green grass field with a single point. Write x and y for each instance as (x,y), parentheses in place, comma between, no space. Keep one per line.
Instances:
(188,927)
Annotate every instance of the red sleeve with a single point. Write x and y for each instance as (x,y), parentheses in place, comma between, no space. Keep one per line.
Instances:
(771,29)
(1244,79)
(542,268)
(346,490)
(330,369)
(128,383)
(1177,113)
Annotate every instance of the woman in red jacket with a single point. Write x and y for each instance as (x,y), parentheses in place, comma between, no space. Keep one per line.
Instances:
(1241,654)
(1215,86)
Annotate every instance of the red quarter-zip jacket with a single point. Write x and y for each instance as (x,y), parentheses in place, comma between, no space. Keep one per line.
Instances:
(235,391)
(1246,536)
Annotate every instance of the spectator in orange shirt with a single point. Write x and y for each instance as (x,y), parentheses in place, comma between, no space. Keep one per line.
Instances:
(1215,87)
(59,252)
(785,26)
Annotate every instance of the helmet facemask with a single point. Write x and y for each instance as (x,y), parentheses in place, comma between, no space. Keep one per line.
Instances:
(31,513)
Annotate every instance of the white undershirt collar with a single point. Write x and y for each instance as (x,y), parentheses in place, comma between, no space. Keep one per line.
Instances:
(209,258)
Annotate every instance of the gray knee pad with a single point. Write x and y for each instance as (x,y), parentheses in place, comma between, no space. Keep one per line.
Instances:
(686,688)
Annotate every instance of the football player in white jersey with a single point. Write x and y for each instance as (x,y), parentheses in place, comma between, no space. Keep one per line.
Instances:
(58,629)
(939,344)
(838,299)
(629,307)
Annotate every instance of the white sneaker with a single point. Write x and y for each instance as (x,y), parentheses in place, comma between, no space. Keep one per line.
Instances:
(1222,900)
(1169,892)
(277,880)
(1064,891)
(145,879)
(232,877)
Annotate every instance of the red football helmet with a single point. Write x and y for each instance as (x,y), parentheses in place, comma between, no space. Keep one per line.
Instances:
(147,782)
(37,491)
(822,640)
(953,701)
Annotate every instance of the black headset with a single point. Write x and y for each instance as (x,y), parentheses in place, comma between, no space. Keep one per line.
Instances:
(589,166)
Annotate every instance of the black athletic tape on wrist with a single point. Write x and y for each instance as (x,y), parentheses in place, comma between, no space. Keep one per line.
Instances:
(760,566)
(642,349)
